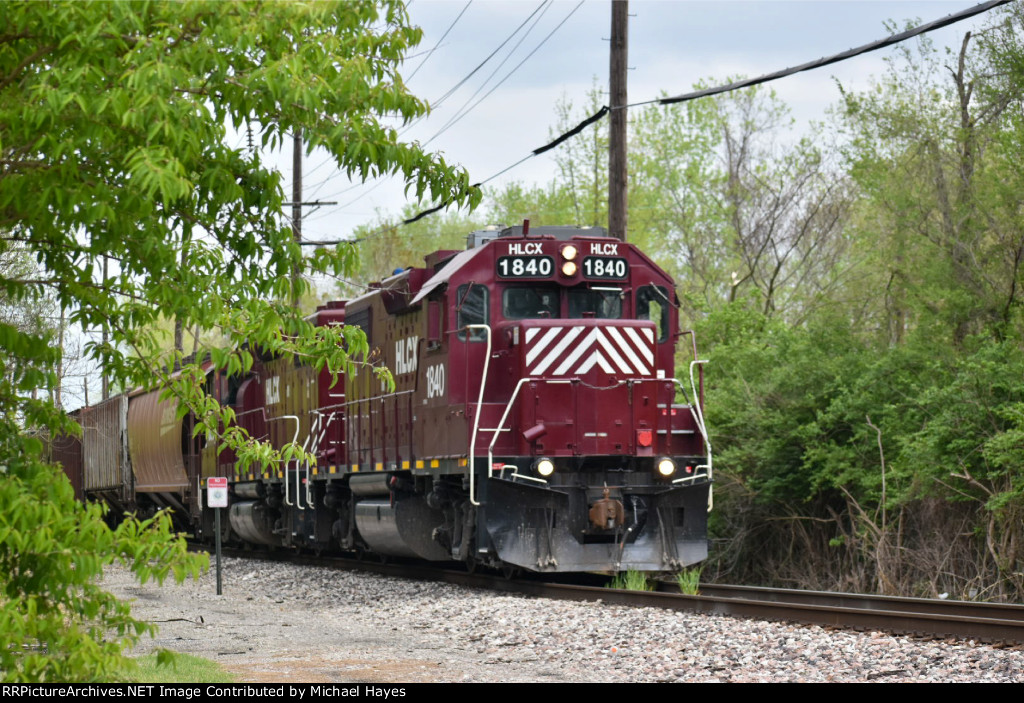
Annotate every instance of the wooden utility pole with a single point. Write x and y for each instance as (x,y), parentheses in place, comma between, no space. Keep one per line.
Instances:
(297,206)
(179,328)
(59,395)
(618,199)
(105,387)
(296,209)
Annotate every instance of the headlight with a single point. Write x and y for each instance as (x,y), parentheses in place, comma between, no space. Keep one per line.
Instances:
(569,269)
(569,252)
(544,467)
(666,467)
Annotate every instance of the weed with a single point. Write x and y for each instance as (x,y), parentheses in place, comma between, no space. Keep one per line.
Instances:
(631,581)
(689,581)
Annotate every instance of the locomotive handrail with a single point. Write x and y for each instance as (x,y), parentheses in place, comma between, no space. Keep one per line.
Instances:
(262,411)
(698,392)
(698,411)
(515,474)
(698,417)
(314,425)
(355,402)
(504,416)
(298,469)
(298,426)
(362,400)
(476,417)
(330,418)
(524,379)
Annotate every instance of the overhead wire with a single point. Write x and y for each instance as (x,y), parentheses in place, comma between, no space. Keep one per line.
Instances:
(426,55)
(736,85)
(431,52)
(835,58)
(437,103)
(465,111)
(545,5)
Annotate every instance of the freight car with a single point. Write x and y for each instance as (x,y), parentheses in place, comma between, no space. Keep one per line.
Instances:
(535,420)
(136,456)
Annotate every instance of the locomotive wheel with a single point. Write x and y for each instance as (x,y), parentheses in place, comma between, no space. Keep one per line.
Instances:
(470,563)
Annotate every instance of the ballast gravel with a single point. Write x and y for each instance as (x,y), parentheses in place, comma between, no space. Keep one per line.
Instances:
(283,623)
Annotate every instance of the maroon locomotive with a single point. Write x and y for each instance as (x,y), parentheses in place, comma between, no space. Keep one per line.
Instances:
(536,420)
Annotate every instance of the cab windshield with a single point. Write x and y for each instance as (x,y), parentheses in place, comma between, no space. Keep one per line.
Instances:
(590,302)
(545,303)
(526,303)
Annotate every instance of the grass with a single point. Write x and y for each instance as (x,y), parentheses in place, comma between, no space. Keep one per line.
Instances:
(689,581)
(631,581)
(182,668)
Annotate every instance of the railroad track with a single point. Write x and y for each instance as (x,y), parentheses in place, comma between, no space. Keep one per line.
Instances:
(986,622)
(983,622)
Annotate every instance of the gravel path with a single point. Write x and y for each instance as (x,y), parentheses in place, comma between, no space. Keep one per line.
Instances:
(282,623)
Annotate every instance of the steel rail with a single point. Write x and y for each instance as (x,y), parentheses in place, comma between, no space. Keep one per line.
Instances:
(983,622)
(969,619)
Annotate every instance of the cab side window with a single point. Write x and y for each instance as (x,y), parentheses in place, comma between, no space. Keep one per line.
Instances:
(653,303)
(472,307)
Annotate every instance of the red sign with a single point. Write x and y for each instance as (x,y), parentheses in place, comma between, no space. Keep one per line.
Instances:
(217,492)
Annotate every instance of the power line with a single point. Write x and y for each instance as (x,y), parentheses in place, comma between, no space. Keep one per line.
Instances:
(835,58)
(736,85)
(451,123)
(545,5)
(450,91)
(431,52)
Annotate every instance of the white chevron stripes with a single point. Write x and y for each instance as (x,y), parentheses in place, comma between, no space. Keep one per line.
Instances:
(562,351)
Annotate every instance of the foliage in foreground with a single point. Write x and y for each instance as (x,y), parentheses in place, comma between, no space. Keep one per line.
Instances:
(57,623)
(114,147)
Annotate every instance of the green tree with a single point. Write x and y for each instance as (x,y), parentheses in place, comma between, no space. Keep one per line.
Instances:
(114,143)
(716,195)
(732,201)
(933,149)
(877,445)
(385,244)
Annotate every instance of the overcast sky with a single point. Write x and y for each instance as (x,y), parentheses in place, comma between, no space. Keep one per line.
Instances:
(672,44)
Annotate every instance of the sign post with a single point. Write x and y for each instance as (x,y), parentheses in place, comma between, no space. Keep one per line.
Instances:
(217,498)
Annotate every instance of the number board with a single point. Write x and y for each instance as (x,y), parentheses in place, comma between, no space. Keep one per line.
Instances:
(606,267)
(525,266)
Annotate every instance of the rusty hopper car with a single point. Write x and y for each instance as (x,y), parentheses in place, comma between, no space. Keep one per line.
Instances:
(534,421)
(137,456)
